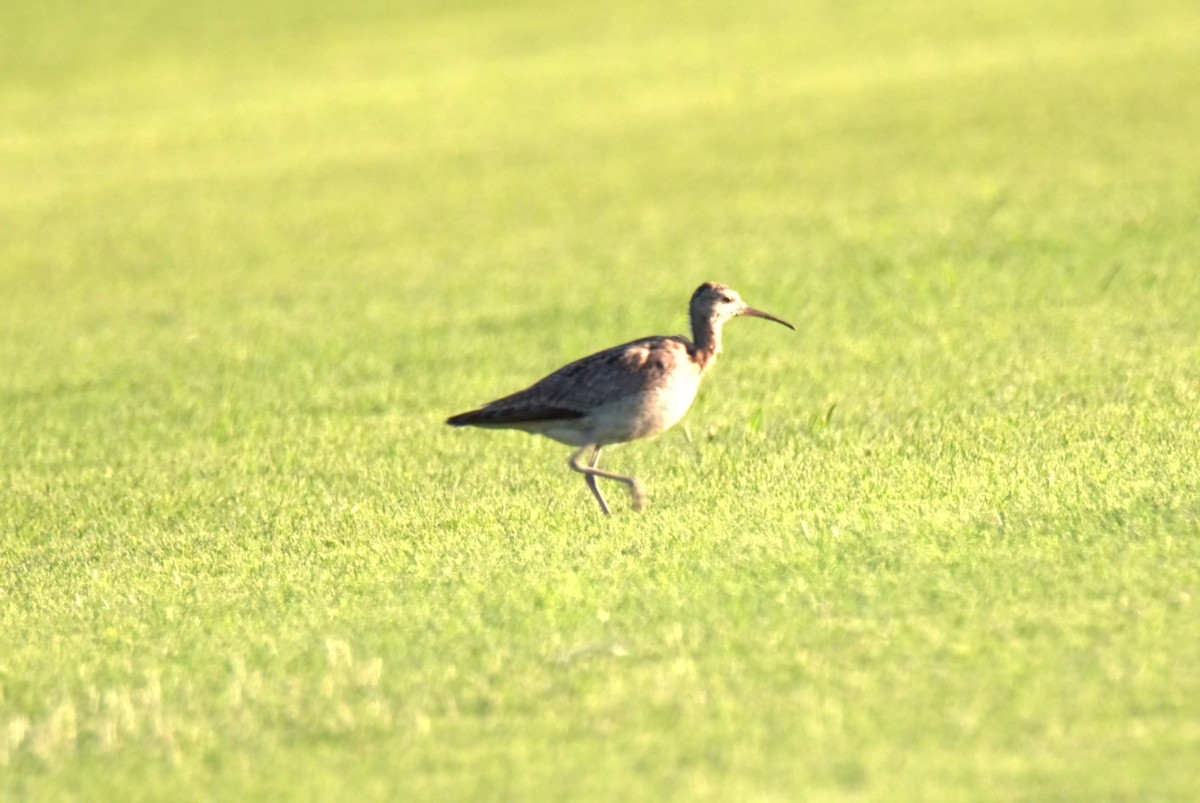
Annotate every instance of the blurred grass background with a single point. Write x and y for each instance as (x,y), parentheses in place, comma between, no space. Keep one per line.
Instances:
(940,544)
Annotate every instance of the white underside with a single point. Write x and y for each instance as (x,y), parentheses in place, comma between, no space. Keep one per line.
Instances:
(637,416)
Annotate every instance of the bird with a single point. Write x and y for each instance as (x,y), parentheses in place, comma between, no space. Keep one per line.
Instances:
(624,393)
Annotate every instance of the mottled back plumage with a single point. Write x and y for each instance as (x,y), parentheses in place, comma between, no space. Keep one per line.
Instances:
(580,387)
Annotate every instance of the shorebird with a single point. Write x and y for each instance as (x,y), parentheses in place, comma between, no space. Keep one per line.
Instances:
(624,393)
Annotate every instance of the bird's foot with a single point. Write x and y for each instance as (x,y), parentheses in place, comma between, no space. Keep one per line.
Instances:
(638,492)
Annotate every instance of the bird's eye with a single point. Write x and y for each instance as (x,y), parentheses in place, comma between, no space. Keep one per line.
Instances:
(726,299)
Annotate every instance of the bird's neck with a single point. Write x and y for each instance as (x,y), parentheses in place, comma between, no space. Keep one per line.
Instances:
(706,335)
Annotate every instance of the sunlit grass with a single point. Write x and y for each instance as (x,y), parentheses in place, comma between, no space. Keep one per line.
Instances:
(939,544)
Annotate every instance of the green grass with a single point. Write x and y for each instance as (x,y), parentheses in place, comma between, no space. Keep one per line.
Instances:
(943,543)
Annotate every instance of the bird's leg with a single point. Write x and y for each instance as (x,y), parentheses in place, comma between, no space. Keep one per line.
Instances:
(590,472)
(635,488)
(590,479)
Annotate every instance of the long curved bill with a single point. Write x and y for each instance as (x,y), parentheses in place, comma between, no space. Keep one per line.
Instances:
(757,313)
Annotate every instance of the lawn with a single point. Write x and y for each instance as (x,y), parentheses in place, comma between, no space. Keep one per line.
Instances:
(942,543)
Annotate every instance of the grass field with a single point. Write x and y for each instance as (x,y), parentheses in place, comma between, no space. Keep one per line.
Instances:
(942,543)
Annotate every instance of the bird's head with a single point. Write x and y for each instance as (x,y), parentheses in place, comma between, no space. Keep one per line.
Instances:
(717,303)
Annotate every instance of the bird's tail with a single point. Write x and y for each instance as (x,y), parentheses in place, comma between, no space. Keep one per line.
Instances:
(464,419)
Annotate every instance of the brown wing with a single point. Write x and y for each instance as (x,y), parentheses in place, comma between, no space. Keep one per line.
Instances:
(578,388)
(497,416)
